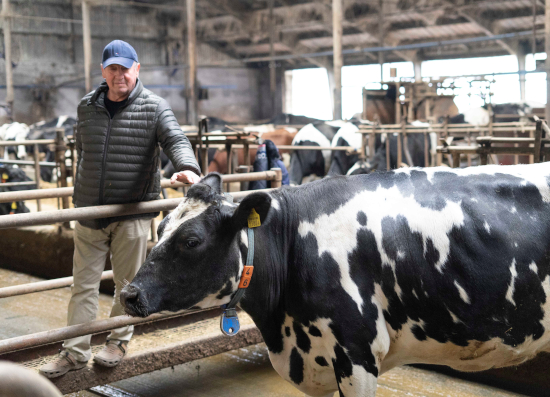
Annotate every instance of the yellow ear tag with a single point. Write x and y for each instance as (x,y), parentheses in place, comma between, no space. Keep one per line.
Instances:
(14,205)
(253,219)
(5,176)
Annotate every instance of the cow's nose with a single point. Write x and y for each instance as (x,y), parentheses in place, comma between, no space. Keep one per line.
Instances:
(129,296)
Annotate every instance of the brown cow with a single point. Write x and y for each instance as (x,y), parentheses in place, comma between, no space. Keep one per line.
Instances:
(280,136)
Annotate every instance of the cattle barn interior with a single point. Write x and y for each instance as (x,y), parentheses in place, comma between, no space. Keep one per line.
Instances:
(339,87)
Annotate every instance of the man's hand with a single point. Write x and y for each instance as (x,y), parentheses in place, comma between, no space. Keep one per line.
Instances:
(185,177)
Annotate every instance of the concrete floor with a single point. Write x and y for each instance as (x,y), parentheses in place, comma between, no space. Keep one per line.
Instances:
(239,373)
(247,373)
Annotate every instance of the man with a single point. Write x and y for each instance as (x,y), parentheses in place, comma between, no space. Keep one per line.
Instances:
(120,126)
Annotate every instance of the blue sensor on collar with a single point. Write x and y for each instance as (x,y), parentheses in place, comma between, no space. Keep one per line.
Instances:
(230,322)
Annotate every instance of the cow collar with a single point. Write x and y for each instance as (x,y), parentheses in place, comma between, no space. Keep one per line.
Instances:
(229,320)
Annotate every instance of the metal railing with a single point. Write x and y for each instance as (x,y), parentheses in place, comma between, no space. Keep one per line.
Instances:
(445,134)
(97,326)
(535,148)
(60,148)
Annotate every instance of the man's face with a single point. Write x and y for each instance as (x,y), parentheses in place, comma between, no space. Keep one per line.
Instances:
(121,80)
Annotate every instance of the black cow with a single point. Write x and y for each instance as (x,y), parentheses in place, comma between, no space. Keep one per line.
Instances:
(48,130)
(341,162)
(356,275)
(12,174)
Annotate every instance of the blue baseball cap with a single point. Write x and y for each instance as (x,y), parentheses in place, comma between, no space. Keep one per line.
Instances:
(120,53)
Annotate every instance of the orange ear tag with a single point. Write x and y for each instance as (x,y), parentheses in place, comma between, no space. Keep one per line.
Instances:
(254,219)
(246,276)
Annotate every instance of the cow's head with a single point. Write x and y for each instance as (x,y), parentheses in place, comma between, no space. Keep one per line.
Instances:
(200,255)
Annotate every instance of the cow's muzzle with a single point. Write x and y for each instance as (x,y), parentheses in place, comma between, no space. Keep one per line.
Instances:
(134,301)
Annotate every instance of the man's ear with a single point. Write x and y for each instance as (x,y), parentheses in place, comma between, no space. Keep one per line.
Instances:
(260,202)
(214,180)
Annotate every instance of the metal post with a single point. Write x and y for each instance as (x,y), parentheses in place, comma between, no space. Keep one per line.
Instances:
(469,141)
(7,58)
(537,145)
(547,62)
(397,104)
(272,72)
(417,70)
(229,160)
(87,38)
(372,142)
(426,150)
(60,149)
(381,36)
(521,54)
(338,59)
(399,151)
(192,55)
(246,153)
(456,160)
(278,181)
(363,151)
(388,163)
(37,174)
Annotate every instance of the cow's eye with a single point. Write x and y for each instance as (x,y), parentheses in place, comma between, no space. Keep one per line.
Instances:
(192,243)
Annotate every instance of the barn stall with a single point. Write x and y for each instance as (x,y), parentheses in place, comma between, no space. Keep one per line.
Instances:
(234,61)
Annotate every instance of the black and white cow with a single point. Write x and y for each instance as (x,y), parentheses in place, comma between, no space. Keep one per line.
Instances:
(304,163)
(356,275)
(415,145)
(341,162)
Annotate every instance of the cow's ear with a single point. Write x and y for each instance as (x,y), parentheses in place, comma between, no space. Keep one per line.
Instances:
(255,203)
(214,180)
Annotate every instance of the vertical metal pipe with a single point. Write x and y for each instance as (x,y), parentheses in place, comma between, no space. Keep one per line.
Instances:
(192,54)
(388,153)
(426,150)
(521,67)
(547,62)
(338,59)
(381,36)
(534,40)
(272,71)
(278,181)
(7,57)
(37,174)
(417,70)
(87,38)
(60,157)
(372,143)
(537,146)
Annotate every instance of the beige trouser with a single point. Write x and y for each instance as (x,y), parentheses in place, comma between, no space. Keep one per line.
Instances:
(127,243)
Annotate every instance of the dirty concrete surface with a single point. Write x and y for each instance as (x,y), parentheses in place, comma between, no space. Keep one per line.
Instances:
(247,373)
(239,373)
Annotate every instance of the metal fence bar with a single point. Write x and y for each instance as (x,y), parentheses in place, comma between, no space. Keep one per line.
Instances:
(73,331)
(35,194)
(46,285)
(100,211)
(11,184)
(8,197)
(29,142)
(29,162)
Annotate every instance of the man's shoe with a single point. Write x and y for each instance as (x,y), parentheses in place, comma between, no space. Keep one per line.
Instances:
(113,352)
(64,363)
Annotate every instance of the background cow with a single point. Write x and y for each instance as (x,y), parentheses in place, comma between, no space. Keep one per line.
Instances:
(356,275)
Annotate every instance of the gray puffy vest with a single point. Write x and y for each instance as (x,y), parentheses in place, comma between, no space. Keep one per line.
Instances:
(118,159)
